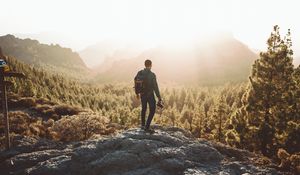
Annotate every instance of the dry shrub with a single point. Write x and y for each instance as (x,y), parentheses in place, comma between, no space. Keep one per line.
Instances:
(112,128)
(263,161)
(42,108)
(66,110)
(284,158)
(51,114)
(289,162)
(43,101)
(19,122)
(295,163)
(13,138)
(12,100)
(23,124)
(15,101)
(79,127)
(13,96)
(55,112)
(232,138)
(45,110)
(26,102)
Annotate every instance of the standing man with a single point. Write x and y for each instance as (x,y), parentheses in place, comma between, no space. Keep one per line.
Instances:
(145,87)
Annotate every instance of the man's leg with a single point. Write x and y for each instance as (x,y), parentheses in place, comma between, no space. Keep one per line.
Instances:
(143,112)
(152,106)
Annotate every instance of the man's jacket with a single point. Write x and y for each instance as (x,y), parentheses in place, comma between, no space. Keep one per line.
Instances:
(151,83)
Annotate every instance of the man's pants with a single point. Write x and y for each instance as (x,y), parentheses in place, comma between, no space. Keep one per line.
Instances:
(148,99)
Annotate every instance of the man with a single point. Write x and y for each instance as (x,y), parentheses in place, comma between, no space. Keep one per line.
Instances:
(147,95)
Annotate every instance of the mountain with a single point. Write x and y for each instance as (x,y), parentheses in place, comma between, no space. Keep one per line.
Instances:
(120,54)
(209,62)
(169,151)
(51,57)
(54,37)
(100,55)
(96,54)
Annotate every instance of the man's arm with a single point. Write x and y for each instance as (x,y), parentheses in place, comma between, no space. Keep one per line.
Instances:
(156,89)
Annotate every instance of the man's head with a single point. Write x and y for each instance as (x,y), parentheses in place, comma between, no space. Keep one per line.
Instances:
(148,64)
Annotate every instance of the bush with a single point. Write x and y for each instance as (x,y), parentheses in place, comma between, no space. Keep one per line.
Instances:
(23,124)
(42,108)
(284,159)
(26,102)
(289,162)
(295,163)
(79,127)
(232,138)
(46,110)
(44,101)
(66,110)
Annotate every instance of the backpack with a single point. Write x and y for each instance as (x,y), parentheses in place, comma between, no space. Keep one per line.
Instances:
(140,82)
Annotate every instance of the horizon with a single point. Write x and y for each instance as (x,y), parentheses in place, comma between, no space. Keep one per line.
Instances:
(148,23)
(134,52)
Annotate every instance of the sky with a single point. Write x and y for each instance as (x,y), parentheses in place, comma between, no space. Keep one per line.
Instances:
(80,23)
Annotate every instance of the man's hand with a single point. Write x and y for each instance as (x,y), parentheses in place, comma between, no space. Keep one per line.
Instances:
(160,103)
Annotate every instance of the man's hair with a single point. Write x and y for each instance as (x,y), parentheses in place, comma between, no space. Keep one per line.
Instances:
(148,63)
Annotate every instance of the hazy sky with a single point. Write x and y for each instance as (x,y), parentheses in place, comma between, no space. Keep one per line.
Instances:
(85,22)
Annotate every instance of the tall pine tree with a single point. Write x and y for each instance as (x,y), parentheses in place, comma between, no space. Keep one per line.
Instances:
(269,98)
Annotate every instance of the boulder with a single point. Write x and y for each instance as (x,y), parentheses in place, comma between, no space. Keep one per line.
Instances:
(169,151)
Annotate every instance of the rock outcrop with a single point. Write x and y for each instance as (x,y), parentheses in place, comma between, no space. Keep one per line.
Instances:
(169,151)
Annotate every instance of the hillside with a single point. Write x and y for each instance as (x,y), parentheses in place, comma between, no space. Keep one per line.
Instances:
(53,86)
(211,63)
(107,99)
(51,57)
(41,83)
(170,151)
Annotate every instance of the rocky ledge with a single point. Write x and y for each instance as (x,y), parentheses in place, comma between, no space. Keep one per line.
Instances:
(169,151)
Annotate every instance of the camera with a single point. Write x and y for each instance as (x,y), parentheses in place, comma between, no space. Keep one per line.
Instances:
(160,104)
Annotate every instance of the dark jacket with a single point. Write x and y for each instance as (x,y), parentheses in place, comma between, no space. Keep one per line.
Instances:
(150,79)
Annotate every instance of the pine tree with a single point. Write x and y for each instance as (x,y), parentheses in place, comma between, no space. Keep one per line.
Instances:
(199,120)
(292,134)
(219,118)
(269,96)
(187,118)
(174,115)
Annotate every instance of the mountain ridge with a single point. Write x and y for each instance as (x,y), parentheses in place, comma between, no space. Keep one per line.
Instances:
(100,56)
(202,63)
(50,57)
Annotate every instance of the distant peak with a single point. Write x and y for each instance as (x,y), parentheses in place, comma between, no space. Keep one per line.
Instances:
(10,35)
